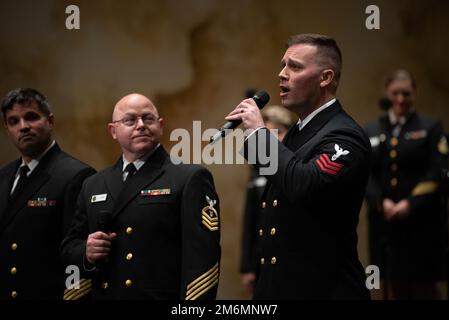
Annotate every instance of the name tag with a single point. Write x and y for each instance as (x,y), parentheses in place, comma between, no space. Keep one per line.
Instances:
(98,198)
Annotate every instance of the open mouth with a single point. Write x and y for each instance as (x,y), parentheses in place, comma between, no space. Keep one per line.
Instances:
(284,90)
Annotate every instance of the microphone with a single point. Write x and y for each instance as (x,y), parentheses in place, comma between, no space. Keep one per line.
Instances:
(104,221)
(260,97)
(104,224)
(385,103)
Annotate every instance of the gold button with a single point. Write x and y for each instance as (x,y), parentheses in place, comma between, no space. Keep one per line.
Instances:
(14,246)
(260,232)
(275,203)
(262,261)
(273,231)
(264,204)
(273,260)
(129,230)
(128,283)
(104,285)
(394,167)
(14,294)
(129,256)
(394,142)
(13,270)
(393,154)
(394,182)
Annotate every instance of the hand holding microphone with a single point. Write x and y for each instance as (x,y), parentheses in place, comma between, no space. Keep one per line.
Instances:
(98,244)
(246,113)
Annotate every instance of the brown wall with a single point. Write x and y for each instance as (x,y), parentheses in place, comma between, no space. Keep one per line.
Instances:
(196,58)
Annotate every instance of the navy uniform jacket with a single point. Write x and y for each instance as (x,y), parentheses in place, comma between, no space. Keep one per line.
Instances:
(167,224)
(33,224)
(250,254)
(408,166)
(310,210)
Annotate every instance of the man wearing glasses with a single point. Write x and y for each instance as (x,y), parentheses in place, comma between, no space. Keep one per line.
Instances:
(146,228)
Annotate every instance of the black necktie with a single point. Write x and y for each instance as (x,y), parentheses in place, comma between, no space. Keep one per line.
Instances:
(131,169)
(22,180)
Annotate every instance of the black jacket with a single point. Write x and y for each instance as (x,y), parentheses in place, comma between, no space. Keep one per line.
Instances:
(311,207)
(408,166)
(33,224)
(167,244)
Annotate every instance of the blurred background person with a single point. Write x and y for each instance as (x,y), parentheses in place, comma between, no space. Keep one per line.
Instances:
(279,118)
(407,230)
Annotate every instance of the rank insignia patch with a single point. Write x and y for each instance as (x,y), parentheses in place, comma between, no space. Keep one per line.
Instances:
(339,152)
(326,165)
(209,215)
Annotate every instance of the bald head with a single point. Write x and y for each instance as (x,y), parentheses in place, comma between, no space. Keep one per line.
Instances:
(132,101)
(136,126)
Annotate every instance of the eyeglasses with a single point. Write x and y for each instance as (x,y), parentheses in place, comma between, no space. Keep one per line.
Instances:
(131,120)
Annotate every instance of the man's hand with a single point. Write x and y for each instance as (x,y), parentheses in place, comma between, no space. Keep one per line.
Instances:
(248,281)
(387,208)
(395,211)
(402,209)
(98,246)
(248,112)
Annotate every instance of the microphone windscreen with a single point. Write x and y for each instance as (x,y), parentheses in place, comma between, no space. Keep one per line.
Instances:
(104,221)
(385,103)
(261,98)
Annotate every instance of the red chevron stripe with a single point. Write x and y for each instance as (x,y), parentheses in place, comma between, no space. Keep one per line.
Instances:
(338,165)
(318,161)
(328,166)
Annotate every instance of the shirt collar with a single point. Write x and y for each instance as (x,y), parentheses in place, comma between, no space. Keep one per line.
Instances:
(34,162)
(139,162)
(302,123)
(394,120)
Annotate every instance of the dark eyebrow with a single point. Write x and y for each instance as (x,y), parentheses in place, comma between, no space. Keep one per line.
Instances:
(293,61)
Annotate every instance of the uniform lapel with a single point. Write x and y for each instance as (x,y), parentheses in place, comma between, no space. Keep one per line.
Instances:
(289,133)
(114,180)
(296,142)
(35,181)
(6,184)
(150,171)
(408,125)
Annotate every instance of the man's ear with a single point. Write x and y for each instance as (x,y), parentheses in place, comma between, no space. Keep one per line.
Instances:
(161,122)
(111,128)
(51,119)
(327,76)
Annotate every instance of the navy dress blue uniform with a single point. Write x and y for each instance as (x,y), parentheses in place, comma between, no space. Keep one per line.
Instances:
(251,216)
(33,223)
(407,164)
(310,210)
(166,218)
